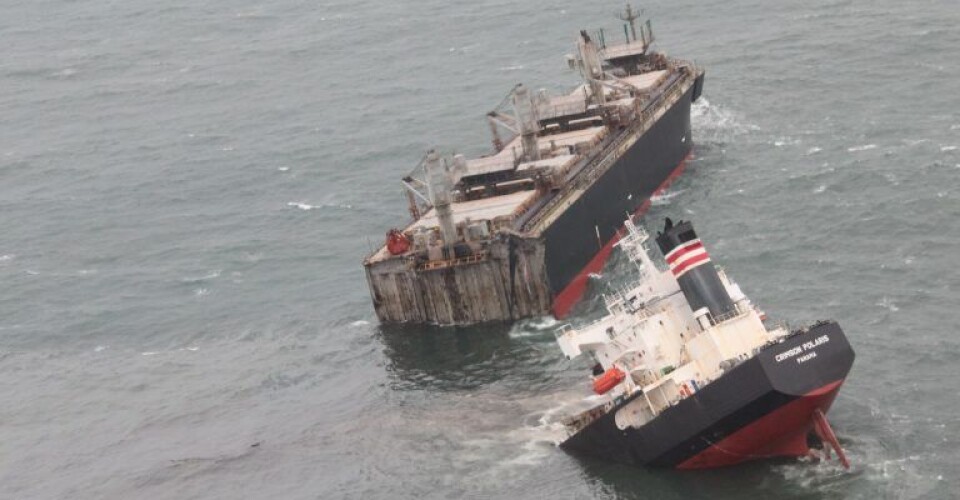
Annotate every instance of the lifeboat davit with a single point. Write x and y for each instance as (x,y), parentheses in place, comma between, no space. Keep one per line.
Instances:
(397,242)
(608,380)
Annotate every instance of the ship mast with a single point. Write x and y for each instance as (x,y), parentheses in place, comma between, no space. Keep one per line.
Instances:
(526,117)
(591,67)
(438,187)
(631,17)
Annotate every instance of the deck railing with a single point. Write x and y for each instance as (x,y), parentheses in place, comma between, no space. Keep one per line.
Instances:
(609,154)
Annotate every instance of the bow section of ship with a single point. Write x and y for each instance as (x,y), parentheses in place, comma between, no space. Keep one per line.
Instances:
(688,374)
(516,233)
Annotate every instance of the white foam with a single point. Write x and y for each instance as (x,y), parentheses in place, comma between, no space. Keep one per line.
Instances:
(944,149)
(820,189)
(7,257)
(865,147)
(200,292)
(283,169)
(148,353)
(511,68)
(888,304)
(543,322)
(786,141)
(307,206)
(100,348)
(716,123)
(814,150)
(664,198)
(533,327)
(360,322)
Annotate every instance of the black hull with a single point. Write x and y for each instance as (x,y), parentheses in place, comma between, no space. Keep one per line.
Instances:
(543,269)
(760,408)
(571,242)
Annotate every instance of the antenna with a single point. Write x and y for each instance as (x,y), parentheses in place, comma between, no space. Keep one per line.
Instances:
(631,17)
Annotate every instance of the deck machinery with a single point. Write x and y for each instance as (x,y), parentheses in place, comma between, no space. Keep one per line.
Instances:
(516,233)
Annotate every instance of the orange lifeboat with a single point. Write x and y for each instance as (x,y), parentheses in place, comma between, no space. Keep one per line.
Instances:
(397,242)
(608,380)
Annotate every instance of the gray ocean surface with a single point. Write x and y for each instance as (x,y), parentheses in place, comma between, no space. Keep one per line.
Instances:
(187,190)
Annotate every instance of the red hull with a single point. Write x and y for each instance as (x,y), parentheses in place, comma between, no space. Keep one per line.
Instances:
(781,433)
(570,295)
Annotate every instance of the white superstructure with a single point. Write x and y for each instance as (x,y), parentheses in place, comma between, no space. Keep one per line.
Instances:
(651,341)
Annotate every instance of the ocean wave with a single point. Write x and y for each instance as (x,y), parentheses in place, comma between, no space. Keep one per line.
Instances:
(865,147)
(785,141)
(206,277)
(307,206)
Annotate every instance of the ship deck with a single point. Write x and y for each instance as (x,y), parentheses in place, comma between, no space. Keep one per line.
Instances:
(495,208)
(575,146)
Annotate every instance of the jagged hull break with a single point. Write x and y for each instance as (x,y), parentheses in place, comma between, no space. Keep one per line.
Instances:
(761,408)
(516,233)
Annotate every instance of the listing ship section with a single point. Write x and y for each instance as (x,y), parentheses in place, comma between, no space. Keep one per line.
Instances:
(645,165)
(502,236)
(758,409)
(689,374)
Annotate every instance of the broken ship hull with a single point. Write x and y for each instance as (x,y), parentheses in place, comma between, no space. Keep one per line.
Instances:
(762,408)
(545,271)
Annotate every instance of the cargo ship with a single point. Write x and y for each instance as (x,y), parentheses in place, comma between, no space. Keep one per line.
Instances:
(689,375)
(516,233)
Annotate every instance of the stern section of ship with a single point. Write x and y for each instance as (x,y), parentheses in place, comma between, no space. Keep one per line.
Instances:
(764,407)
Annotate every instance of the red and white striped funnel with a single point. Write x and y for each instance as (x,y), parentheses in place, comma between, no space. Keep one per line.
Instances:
(690,264)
